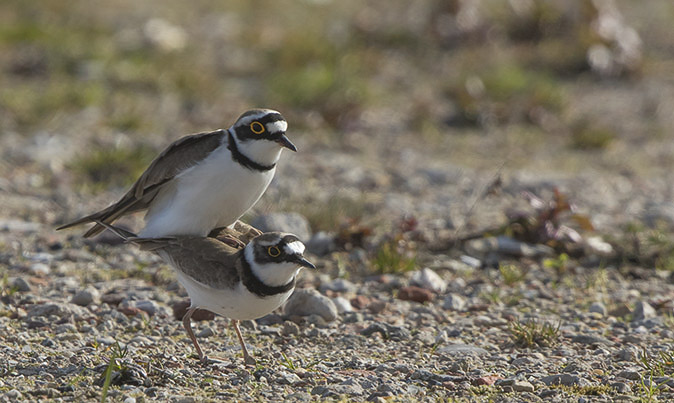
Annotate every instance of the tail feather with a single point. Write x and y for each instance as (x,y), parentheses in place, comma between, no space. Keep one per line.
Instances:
(127,236)
(87,219)
(107,215)
(149,244)
(101,223)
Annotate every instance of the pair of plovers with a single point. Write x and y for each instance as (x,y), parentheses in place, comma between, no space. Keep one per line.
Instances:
(194,193)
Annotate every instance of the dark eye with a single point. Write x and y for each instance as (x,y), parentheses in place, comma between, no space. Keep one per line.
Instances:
(273,251)
(257,127)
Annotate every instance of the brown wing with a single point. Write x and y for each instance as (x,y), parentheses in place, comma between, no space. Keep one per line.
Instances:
(241,231)
(180,155)
(206,260)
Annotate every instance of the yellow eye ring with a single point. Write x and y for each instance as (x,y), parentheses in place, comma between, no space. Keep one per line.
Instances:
(257,127)
(273,251)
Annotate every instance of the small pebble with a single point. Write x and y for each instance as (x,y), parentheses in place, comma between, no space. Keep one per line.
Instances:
(454,302)
(598,307)
(642,311)
(20,284)
(416,294)
(205,332)
(40,269)
(342,304)
(428,279)
(86,297)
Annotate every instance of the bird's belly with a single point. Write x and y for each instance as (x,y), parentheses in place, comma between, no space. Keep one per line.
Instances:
(234,303)
(207,196)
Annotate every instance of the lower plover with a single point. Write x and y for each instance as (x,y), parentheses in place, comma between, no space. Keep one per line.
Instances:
(238,283)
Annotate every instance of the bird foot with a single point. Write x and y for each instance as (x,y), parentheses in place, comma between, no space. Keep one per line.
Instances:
(231,241)
(206,360)
(249,360)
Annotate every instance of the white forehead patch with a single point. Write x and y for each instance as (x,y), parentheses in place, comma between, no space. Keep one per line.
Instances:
(278,126)
(294,248)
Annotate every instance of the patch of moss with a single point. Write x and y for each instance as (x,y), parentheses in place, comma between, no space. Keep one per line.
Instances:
(389,258)
(589,390)
(533,333)
(587,135)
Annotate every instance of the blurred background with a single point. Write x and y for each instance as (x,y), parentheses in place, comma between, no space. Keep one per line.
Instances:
(399,108)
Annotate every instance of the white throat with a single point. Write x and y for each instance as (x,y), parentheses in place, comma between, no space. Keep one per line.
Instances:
(264,152)
(271,274)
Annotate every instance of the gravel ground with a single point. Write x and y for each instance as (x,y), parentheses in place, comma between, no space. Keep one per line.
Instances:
(447,329)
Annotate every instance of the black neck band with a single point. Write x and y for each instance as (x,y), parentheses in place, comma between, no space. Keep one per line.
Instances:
(242,159)
(256,286)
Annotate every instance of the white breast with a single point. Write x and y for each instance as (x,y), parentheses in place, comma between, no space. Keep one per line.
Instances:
(236,303)
(214,193)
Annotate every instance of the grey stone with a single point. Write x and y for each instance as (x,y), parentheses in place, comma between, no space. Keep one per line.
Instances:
(655,212)
(248,324)
(598,307)
(306,302)
(56,308)
(353,317)
(107,341)
(398,333)
(428,279)
(507,246)
(522,386)
(290,329)
(17,226)
(338,285)
(565,379)
(287,378)
(13,395)
(20,284)
(628,353)
(471,261)
(589,339)
(522,361)
(664,380)
(621,387)
(316,320)
(425,337)
(454,302)
(653,322)
(375,328)
(457,350)
(65,328)
(85,297)
(642,311)
(270,330)
(322,243)
(205,332)
(298,397)
(293,223)
(334,391)
(632,374)
(342,304)
(597,246)
(147,305)
(40,269)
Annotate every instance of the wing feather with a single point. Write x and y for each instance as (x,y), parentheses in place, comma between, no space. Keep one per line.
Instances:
(180,155)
